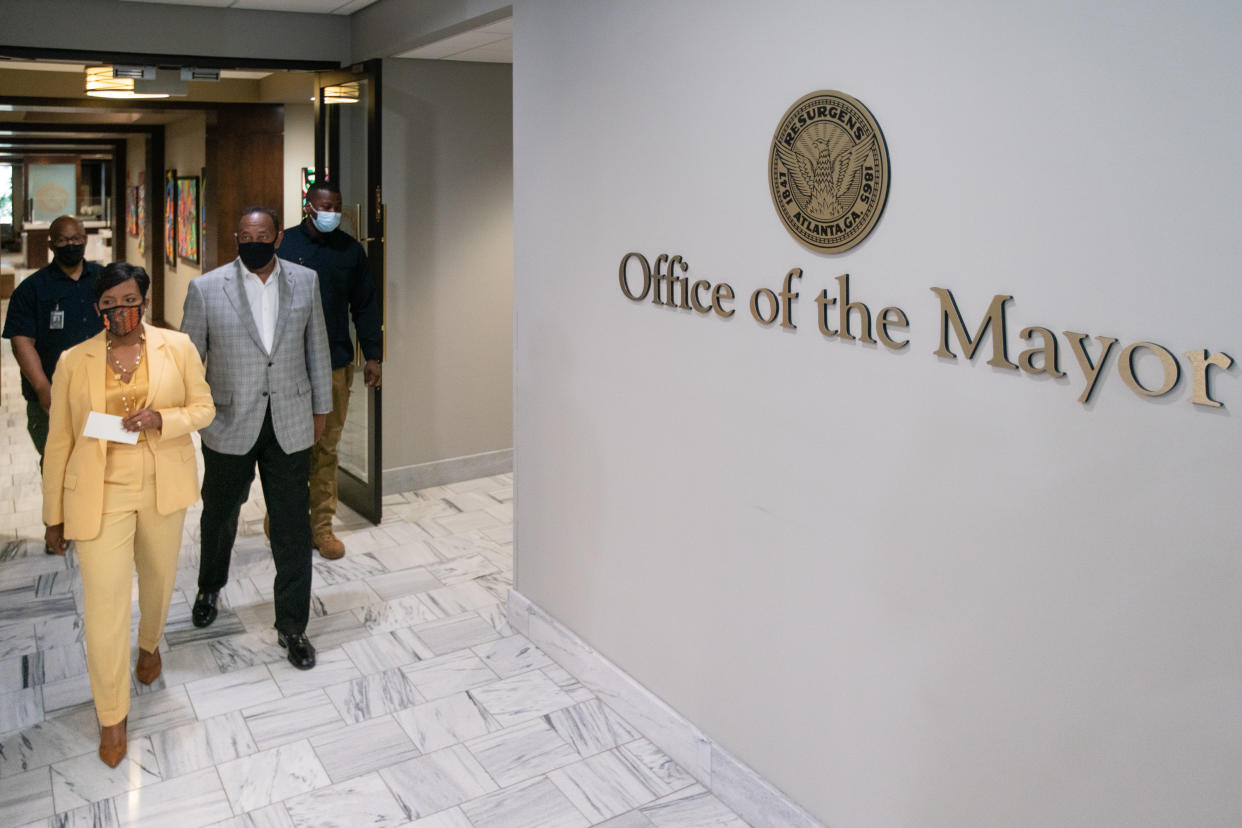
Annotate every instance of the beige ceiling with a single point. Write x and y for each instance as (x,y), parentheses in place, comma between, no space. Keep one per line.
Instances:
(61,80)
(491,43)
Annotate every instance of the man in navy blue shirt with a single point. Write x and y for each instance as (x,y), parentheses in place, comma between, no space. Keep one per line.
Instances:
(51,310)
(346,289)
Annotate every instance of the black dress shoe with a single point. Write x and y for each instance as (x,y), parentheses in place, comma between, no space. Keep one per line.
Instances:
(301,651)
(206,606)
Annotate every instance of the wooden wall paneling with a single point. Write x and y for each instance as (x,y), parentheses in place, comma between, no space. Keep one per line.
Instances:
(245,167)
(155,222)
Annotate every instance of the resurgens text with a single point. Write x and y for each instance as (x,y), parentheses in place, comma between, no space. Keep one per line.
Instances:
(666,281)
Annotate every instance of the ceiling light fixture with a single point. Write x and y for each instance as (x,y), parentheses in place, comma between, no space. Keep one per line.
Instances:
(101,82)
(341,94)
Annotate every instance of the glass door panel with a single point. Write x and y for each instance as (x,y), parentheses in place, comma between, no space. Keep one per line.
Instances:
(347,151)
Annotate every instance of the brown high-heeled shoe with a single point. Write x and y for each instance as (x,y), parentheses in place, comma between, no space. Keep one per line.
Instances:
(149,665)
(112,744)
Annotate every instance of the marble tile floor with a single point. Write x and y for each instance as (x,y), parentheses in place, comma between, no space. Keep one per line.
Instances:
(425,709)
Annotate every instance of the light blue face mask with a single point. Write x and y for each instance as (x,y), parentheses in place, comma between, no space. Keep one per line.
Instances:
(325,221)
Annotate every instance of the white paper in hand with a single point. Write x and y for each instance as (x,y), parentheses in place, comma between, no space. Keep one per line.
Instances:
(108,427)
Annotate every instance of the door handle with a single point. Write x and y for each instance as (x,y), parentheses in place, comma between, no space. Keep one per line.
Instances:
(381,219)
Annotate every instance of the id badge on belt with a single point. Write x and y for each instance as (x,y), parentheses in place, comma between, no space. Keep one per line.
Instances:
(57,319)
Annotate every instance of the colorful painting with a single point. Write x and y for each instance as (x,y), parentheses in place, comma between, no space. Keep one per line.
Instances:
(131,210)
(170,218)
(141,192)
(308,178)
(187,218)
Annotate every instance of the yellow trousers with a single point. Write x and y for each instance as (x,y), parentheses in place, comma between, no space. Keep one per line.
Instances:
(324,457)
(133,535)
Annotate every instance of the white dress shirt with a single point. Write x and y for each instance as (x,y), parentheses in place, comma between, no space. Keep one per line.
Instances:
(264,298)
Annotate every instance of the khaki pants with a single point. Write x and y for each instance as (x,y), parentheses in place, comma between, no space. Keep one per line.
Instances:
(324,458)
(133,535)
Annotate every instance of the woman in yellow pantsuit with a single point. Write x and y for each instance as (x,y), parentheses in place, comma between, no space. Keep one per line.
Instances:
(123,504)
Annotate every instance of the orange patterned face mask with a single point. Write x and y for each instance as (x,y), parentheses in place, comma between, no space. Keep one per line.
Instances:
(121,321)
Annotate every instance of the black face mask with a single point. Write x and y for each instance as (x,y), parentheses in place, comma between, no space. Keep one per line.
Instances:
(70,255)
(255,255)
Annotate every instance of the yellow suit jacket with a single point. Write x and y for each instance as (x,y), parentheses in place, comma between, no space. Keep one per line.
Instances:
(73,465)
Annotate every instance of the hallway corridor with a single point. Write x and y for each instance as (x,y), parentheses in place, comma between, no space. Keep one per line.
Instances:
(425,708)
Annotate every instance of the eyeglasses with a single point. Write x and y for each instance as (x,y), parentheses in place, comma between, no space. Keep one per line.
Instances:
(71,240)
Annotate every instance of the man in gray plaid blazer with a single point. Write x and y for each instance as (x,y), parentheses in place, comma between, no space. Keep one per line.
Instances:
(258,325)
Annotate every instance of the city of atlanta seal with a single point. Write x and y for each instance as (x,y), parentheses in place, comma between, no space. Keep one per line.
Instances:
(828,171)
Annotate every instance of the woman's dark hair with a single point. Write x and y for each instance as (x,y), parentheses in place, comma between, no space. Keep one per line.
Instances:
(119,272)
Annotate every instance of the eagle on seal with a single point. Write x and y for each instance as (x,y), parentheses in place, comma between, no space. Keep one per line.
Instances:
(821,182)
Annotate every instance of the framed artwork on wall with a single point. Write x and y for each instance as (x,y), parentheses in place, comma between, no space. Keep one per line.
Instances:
(131,211)
(187,218)
(141,194)
(170,218)
(308,178)
(52,190)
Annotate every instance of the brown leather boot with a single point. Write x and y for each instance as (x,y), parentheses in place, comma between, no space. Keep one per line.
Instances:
(329,545)
(112,744)
(149,665)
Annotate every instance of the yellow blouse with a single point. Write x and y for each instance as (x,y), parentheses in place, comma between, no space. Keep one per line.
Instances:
(124,398)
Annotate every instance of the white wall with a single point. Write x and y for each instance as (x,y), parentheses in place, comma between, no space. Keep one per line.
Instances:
(299,153)
(448,182)
(909,591)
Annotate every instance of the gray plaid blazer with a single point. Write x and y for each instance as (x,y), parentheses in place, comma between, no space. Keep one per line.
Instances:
(296,378)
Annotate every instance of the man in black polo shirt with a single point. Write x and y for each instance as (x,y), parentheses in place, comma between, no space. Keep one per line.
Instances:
(346,288)
(51,310)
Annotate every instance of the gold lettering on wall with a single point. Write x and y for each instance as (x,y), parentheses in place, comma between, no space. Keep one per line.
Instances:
(1051,362)
(994,319)
(623,275)
(824,301)
(701,284)
(669,288)
(659,279)
(1168,364)
(1199,364)
(722,293)
(669,284)
(843,281)
(891,317)
(787,296)
(1090,372)
(769,299)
